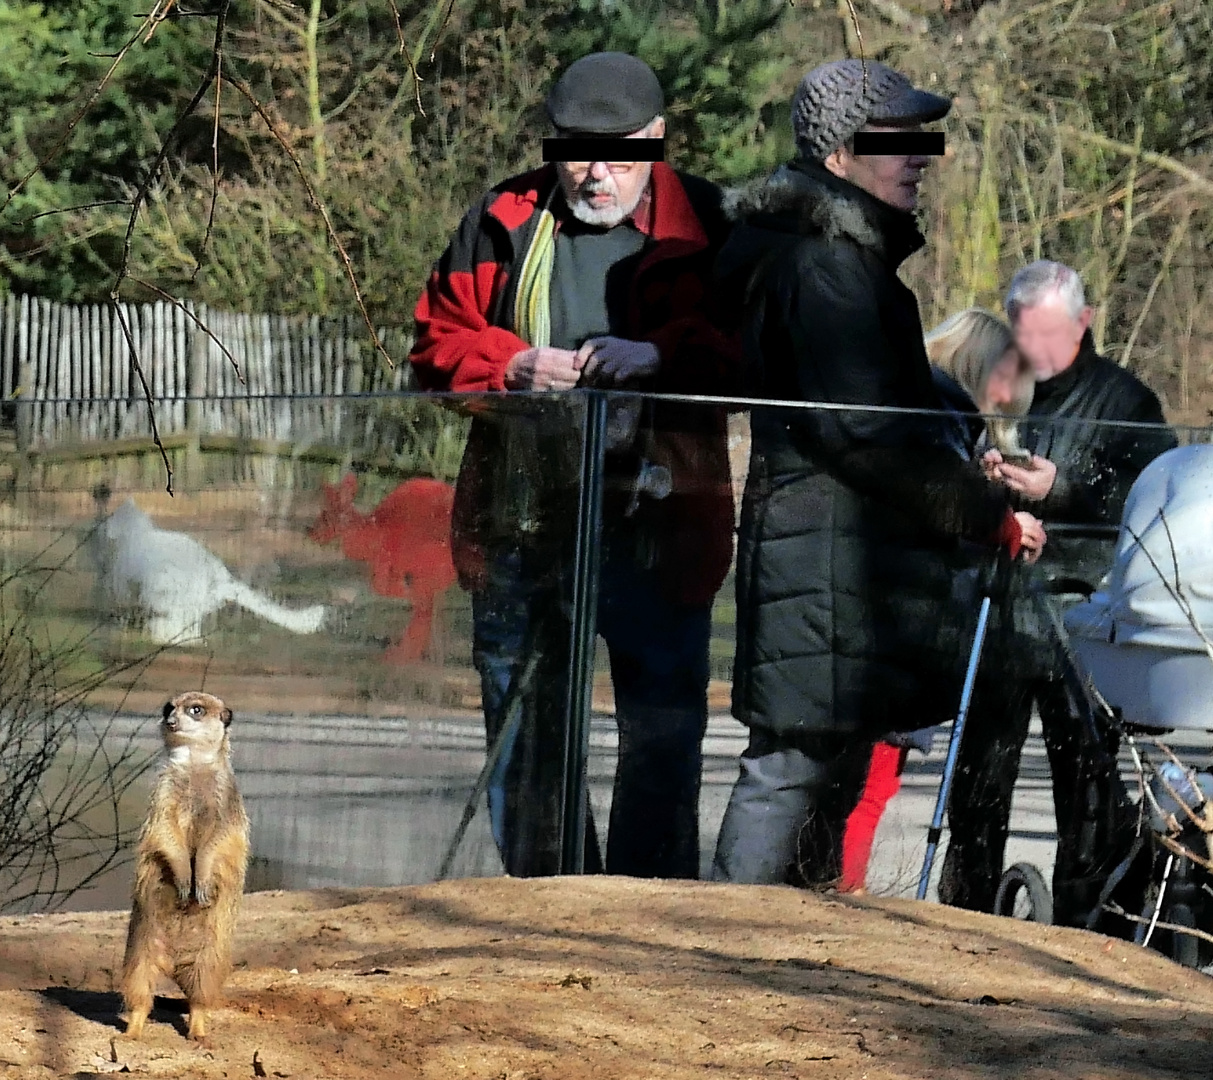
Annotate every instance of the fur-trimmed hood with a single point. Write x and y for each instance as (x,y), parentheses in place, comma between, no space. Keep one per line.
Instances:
(803,199)
(801,203)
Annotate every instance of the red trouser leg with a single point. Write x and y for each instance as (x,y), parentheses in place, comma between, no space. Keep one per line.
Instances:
(884,781)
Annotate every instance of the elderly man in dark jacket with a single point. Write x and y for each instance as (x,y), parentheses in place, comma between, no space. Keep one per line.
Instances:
(1086,429)
(593,274)
(852,520)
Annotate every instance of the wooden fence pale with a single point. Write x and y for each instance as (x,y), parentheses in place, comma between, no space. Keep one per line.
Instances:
(70,368)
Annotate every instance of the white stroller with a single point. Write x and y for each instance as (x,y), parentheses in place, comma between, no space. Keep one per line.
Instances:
(1142,637)
(1142,643)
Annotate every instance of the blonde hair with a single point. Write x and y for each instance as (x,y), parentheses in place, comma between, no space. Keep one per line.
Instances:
(968,346)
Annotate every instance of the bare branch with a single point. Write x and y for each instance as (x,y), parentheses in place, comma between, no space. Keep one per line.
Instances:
(158,19)
(1175,591)
(137,201)
(71,210)
(210,217)
(141,192)
(1175,928)
(408,56)
(346,261)
(92,100)
(853,33)
(197,322)
(1197,180)
(147,390)
(446,18)
(1178,234)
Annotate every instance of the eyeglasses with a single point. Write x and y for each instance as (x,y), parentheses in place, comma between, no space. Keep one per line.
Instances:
(614,166)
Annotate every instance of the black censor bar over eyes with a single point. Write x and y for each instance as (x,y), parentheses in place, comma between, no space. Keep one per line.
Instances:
(607,148)
(895,143)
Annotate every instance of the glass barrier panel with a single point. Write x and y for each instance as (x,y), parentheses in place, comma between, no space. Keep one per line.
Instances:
(866,542)
(303,571)
(761,579)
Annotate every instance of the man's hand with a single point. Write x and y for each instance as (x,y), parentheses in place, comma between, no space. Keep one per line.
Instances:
(612,361)
(1033,538)
(1033,481)
(542,369)
(990,461)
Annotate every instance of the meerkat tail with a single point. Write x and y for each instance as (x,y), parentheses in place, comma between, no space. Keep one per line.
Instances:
(298,620)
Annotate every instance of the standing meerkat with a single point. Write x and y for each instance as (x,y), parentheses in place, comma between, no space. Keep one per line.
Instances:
(189,867)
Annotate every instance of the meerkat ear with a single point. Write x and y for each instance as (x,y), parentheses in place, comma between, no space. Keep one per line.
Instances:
(226,717)
(167,711)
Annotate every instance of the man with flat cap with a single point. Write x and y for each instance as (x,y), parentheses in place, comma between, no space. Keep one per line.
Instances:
(853,520)
(590,274)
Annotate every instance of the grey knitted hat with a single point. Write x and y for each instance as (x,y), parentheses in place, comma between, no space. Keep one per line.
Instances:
(831,104)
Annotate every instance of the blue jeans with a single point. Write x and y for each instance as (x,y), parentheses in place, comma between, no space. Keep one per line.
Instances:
(659,667)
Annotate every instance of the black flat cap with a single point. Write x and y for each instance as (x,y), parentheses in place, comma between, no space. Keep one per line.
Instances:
(607,93)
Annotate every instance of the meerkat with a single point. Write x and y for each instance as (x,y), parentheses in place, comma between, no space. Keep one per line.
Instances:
(189,867)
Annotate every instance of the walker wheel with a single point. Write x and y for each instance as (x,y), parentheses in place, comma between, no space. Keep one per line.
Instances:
(1023,894)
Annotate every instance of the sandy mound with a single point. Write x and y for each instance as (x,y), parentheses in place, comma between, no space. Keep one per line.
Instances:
(606,978)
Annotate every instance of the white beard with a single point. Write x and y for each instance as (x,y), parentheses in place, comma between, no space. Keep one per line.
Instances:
(606,217)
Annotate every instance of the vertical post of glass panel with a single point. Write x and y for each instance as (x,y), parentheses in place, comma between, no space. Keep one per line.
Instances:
(585,628)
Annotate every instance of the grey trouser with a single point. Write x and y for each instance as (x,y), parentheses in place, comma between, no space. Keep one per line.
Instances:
(785,819)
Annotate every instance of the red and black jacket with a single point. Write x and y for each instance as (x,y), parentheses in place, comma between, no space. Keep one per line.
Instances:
(465,339)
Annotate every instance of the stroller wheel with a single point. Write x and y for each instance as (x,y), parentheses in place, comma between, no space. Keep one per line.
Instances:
(1023,894)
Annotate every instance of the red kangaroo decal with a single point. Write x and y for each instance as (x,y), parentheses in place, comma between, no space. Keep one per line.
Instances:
(406,540)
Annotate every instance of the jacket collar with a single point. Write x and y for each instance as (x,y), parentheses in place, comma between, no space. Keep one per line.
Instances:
(1061,384)
(806,198)
(670,220)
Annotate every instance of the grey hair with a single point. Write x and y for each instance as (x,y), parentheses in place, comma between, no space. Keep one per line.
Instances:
(1036,282)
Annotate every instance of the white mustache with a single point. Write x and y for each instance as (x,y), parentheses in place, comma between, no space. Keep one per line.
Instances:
(597,187)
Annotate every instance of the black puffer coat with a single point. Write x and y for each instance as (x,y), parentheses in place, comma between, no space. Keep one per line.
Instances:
(851,524)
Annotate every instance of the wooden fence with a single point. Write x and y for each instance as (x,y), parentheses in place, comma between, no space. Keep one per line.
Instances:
(68,367)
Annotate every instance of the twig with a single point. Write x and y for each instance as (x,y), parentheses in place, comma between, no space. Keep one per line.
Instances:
(70,210)
(346,262)
(197,322)
(1177,235)
(1146,790)
(1175,928)
(1180,801)
(898,16)
(75,121)
(1130,191)
(217,54)
(160,17)
(1184,851)
(147,391)
(1162,161)
(408,56)
(450,8)
(1175,591)
(141,192)
(137,201)
(846,8)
